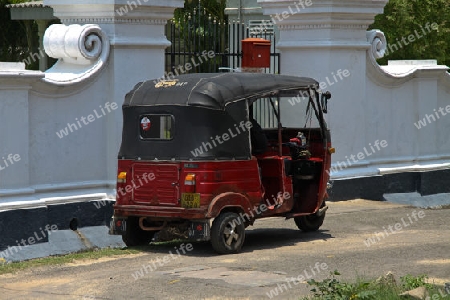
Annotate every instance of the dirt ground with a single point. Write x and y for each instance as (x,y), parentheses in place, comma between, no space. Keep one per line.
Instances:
(275,262)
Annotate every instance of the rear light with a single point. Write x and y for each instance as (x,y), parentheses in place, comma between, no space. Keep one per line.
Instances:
(122,177)
(189,183)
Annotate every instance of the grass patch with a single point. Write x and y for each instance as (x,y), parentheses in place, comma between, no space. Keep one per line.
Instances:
(385,289)
(12,267)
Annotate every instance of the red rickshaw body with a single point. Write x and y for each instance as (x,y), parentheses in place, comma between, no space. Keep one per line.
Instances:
(187,167)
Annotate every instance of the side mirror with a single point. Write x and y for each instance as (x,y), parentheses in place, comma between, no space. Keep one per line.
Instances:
(324,101)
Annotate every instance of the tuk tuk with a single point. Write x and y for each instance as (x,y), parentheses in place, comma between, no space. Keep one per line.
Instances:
(205,155)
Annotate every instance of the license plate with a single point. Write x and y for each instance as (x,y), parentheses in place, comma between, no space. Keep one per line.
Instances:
(190,200)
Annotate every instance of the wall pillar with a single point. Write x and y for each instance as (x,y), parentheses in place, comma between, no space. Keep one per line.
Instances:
(136,33)
(326,40)
(15,84)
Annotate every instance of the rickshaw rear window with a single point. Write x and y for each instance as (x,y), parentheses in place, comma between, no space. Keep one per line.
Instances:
(156,127)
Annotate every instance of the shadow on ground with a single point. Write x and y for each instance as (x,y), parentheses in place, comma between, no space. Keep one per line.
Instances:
(256,239)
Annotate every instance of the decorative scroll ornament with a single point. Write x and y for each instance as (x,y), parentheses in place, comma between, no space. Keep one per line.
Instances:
(81,50)
(378,43)
(381,74)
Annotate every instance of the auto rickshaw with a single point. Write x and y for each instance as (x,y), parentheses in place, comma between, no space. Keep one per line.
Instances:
(205,155)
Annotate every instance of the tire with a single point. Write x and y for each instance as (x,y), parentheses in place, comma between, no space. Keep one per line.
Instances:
(134,235)
(227,233)
(311,222)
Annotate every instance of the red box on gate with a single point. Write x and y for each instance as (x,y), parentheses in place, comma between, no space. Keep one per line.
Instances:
(255,53)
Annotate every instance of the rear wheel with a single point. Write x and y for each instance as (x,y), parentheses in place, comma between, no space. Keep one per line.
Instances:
(227,233)
(134,235)
(310,222)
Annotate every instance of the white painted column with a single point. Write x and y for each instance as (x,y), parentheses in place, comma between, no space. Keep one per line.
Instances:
(326,40)
(15,84)
(136,32)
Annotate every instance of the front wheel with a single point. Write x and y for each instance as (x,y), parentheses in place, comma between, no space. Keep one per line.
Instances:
(310,222)
(227,233)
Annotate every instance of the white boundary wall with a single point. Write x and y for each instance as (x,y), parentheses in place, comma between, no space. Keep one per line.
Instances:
(324,38)
(98,64)
(373,103)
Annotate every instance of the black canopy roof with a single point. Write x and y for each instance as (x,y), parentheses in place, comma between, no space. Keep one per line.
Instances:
(214,91)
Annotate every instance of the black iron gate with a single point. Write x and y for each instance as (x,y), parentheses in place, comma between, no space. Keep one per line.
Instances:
(201,44)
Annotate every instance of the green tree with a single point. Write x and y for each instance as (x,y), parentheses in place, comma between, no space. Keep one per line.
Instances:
(17,38)
(202,18)
(213,8)
(403,18)
(200,25)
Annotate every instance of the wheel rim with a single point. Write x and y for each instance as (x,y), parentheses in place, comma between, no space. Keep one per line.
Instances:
(230,234)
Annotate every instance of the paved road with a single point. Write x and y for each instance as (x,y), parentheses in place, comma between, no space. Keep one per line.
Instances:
(276,257)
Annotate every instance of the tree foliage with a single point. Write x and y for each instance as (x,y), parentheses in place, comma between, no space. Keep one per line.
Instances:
(202,19)
(213,8)
(17,38)
(201,25)
(403,18)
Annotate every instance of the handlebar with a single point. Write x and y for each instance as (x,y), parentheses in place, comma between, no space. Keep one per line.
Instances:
(295,146)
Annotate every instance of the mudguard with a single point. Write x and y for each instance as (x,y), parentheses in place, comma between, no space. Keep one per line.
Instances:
(228,199)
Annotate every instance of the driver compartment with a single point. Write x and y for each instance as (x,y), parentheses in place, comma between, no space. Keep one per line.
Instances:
(303,176)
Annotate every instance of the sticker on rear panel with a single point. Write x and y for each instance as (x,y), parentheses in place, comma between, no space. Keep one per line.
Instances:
(145,124)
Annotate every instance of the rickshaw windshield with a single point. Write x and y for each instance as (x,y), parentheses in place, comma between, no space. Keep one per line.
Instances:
(296,111)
